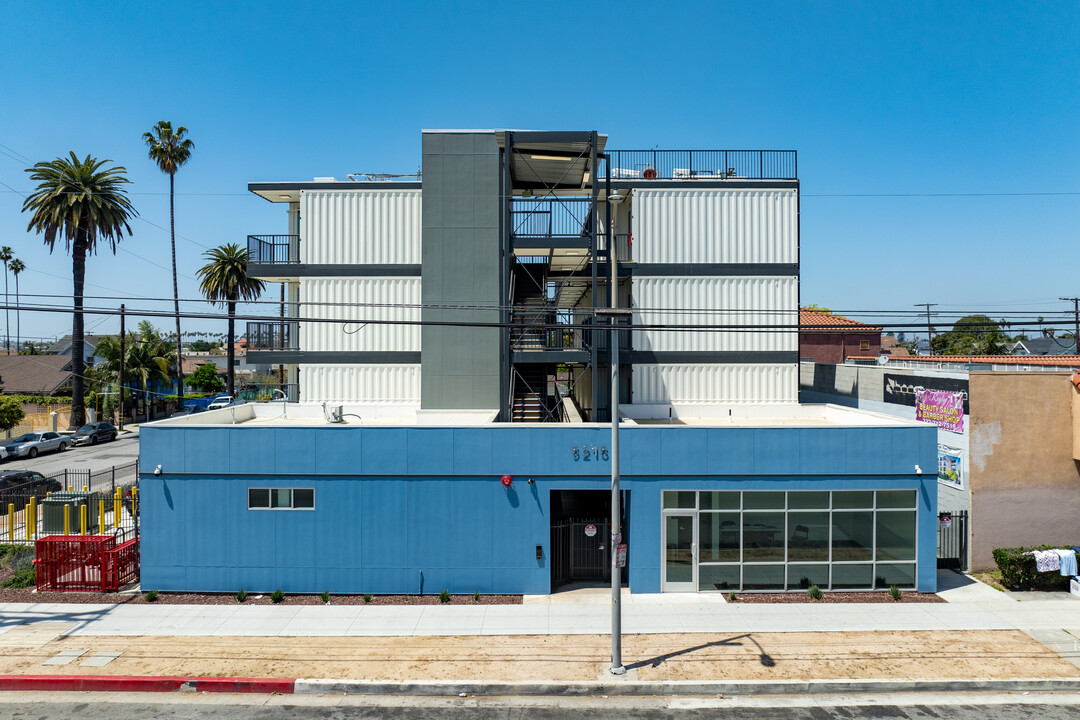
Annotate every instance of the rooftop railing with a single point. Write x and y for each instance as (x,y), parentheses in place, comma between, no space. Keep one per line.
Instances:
(703,164)
(273,249)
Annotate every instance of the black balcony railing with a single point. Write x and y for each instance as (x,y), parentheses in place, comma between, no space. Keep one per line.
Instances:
(273,249)
(550,217)
(703,164)
(281,335)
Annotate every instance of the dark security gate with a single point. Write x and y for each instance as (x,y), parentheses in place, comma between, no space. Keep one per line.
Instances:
(575,555)
(952,540)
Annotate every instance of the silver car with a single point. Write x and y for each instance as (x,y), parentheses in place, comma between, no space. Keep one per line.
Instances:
(31,444)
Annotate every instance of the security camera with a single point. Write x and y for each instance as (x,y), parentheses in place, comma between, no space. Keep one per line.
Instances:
(157,470)
(918,470)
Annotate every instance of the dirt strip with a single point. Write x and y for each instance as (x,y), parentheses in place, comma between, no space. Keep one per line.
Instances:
(858,655)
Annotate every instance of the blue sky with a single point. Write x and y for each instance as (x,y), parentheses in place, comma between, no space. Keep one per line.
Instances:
(879,99)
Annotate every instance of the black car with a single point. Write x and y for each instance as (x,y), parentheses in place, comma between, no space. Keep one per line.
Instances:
(93,433)
(16,487)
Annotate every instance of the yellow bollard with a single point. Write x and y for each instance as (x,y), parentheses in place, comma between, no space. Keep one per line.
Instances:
(134,502)
(101,516)
(69,488)
(11,522)
(32,520)
(85,489)
(82,519)
(67,519)
(116,512)
(26,519)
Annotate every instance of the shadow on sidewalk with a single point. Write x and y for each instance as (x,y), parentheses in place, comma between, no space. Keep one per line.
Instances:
(657,661)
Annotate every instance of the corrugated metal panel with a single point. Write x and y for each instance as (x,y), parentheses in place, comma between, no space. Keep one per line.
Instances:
(389,291)
(709,384)
(715,226)
(390,384)
(360,227)
(716,301)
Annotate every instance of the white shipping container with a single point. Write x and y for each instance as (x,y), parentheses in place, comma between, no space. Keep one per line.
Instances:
(717,301)
(388,384)
(715,226)
(360,227)
(378,298)
(715,384)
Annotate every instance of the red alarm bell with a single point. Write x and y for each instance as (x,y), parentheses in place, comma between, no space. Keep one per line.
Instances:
(507,481)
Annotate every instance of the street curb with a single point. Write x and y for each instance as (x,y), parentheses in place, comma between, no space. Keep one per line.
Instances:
(128,683)
(136,683)
(679,687)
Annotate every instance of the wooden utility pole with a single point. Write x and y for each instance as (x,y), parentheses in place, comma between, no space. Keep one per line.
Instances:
(1076,321)
(929,330)
(123,357)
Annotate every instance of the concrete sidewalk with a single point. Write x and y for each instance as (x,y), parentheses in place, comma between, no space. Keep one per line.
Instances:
(971,606)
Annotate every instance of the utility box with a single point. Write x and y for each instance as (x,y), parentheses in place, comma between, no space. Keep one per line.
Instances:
(53,512)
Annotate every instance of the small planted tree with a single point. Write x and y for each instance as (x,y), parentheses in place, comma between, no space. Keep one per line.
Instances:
(11,413)
(206,378)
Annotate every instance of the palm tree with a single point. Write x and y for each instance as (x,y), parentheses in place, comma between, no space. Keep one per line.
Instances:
(17,266)
(170,150)
(224,281)
(80,201)
(149,362)
(6,257)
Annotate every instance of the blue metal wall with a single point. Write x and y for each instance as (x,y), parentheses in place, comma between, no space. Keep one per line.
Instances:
(405,510)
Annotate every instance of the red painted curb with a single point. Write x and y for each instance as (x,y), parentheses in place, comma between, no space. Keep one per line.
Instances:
(136,683)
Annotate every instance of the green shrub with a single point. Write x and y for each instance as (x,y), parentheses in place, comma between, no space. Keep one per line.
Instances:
(325,596)
(894,593)
(814,592)
(277,596)
(444,596)
(476,596)
(367,597)
(731,597)
(241,596)
(151,596)
(1018,570)
(27,577)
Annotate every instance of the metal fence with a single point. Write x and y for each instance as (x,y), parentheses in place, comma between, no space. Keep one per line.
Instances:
(704,164)
(952,545)
(550,217)
(273,249)
(110,499)
(281,335)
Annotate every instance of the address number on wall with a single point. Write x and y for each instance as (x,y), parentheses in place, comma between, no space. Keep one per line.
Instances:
(589,452)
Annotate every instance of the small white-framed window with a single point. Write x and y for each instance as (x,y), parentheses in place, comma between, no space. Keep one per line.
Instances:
(281,498)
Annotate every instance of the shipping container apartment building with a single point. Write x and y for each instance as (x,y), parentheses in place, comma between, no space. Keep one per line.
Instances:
(448,359)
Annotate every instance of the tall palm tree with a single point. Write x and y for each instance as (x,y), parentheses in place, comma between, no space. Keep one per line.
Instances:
(6,257)
(170,150)
(17,266)
(80,201)
(224,281)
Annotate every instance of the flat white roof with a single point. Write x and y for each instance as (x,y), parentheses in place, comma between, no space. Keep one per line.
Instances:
(277,414)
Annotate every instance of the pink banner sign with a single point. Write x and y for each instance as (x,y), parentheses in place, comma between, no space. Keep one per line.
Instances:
(944,409)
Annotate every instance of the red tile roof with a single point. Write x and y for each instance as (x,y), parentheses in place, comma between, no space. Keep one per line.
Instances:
(816,321)
(1066,361)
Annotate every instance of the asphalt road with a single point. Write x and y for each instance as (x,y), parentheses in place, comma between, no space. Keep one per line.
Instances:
(123,450)
(110,706)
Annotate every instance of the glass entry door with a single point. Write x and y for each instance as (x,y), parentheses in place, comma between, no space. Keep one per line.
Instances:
(680,553)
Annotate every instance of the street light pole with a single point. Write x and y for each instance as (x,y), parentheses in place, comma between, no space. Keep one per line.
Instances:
(617,667)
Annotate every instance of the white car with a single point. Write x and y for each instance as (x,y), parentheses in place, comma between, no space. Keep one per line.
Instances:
(219,402)
(30,444)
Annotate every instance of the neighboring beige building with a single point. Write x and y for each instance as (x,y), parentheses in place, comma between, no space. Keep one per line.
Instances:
(1024,461)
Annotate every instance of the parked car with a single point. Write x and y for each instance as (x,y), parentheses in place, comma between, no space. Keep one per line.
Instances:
(16,487)
(93,433)
(32,444)
(221,401)
(188,410)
